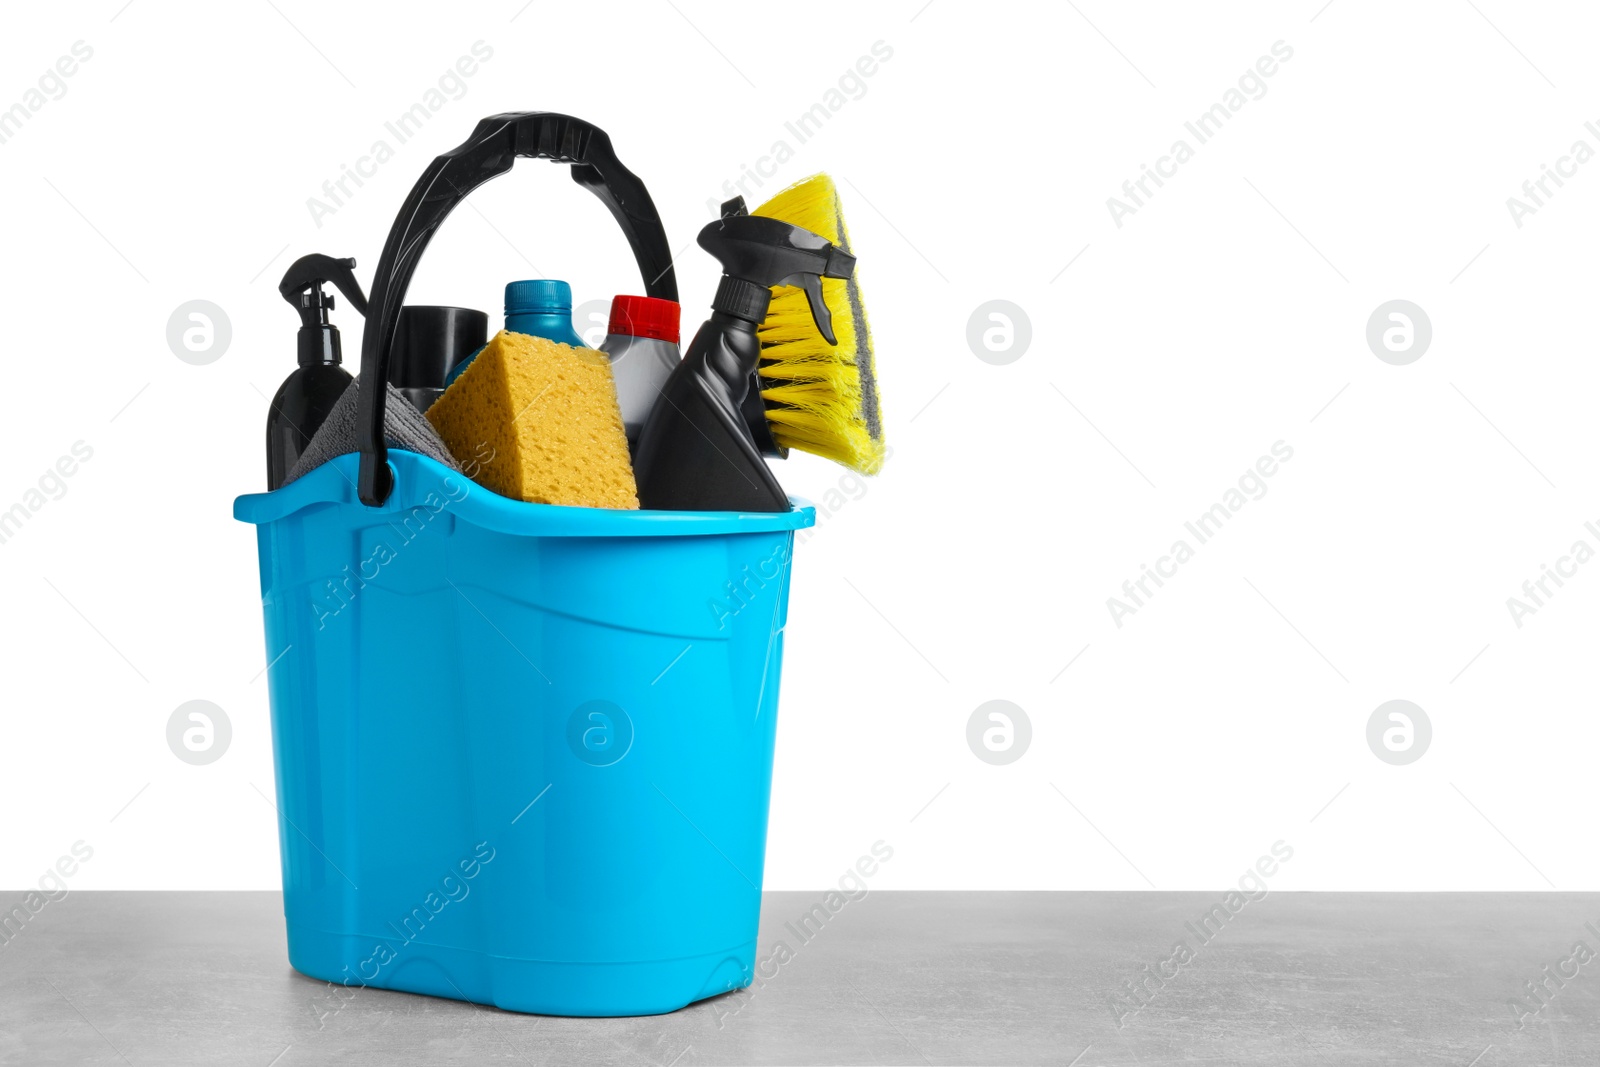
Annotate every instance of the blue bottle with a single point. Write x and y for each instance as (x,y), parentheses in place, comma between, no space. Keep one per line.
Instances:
(541,307)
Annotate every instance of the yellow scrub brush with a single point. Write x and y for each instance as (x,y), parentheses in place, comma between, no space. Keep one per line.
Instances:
(820,397)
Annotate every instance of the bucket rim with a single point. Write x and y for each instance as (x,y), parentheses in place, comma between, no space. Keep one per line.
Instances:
(421,482)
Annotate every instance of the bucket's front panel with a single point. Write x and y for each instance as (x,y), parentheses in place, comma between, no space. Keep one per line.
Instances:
(619,687)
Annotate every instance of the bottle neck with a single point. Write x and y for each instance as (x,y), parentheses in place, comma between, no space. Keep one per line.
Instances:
(318,346)
(736,323)
(744,299)
(554,324)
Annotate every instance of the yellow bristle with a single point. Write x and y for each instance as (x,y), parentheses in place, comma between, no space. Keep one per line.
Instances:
(821,398)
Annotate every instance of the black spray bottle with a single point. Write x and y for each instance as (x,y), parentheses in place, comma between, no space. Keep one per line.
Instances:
(307,395)
(697,451)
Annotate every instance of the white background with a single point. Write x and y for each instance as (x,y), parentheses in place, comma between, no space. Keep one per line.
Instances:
(1227,314)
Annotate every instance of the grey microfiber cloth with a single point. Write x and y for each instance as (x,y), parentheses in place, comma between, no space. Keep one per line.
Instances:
(403,427)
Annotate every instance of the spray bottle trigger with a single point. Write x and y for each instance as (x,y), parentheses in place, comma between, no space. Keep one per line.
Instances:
(812,284)
(838,264)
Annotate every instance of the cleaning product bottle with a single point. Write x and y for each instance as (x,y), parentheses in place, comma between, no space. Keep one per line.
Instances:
(696,452)
(541,307)
(307,395)
(642,342)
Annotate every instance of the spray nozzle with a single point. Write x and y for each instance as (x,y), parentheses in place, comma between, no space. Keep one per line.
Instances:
(302,287)
(757,253)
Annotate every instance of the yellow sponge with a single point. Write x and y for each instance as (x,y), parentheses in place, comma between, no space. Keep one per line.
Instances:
(546,416)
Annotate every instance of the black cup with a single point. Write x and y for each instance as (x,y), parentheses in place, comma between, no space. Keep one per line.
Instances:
(428,344)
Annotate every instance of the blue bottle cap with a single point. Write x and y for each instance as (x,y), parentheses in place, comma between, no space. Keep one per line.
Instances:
(538,295)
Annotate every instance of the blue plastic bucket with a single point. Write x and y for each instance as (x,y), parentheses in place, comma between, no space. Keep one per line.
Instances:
(523,752)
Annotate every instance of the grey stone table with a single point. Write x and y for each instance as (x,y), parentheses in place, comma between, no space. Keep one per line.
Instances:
(902,978)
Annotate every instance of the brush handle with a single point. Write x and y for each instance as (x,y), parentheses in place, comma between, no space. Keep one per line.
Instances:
(491,150)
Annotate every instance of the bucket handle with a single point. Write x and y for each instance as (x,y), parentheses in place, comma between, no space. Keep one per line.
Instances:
(494,145)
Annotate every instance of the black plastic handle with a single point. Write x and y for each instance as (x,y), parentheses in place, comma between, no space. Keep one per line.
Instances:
(494,145)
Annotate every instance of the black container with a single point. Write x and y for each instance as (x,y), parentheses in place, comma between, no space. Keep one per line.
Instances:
(299,408)
(428,344)
(306,396)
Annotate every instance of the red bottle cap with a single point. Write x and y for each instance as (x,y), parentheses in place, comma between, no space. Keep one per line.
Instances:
(644,316)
